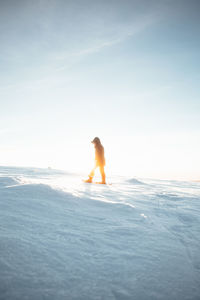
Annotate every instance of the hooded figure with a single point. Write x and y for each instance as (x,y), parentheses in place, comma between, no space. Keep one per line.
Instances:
(99,160)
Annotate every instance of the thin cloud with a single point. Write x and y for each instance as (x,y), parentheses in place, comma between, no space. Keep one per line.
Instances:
(122,34)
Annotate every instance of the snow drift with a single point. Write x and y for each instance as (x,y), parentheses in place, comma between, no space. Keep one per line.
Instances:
(64,239)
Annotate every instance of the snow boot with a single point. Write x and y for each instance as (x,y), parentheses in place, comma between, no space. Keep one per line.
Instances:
(89,180)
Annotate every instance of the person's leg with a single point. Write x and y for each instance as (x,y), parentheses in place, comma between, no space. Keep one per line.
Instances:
(103,175)
(91,175)
(92,172)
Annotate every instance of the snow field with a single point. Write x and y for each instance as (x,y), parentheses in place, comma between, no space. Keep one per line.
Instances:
(64,239)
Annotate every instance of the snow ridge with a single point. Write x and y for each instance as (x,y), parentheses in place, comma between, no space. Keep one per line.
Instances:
(64,239)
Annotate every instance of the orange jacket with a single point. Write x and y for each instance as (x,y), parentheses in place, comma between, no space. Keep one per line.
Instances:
(99,155)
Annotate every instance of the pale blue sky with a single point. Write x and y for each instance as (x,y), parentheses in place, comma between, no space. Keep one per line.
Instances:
(126,71)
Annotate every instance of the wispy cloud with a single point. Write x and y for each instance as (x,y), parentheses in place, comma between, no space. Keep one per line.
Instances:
(58,60)
(119,35)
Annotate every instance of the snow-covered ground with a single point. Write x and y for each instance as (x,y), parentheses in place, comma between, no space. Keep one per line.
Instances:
(61,238)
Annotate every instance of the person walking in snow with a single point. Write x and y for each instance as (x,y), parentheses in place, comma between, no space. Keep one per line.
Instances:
(99,161)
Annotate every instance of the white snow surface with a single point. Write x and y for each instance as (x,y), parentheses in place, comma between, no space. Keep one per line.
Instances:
(61,238)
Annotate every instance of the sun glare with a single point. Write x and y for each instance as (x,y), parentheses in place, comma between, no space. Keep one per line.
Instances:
(162,157)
